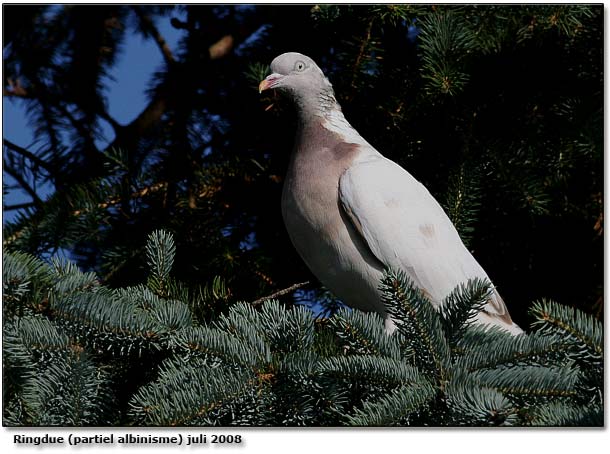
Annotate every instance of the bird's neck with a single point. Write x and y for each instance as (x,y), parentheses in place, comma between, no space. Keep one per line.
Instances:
(326,112)
(327,103)
(323,110)
(321,106)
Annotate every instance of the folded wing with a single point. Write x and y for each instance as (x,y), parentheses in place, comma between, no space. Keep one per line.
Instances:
(406,228)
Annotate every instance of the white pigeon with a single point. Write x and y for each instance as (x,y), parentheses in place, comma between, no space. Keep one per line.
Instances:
(352,213)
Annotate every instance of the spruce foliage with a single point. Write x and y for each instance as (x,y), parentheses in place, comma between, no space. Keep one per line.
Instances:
(275,365)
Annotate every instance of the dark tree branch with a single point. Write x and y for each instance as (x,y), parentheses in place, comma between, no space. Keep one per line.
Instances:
(128,135)
(115,124)
(150,115)
(24,184)
(27,154)
(149,26)
(80,127)
(17,206)
(16,90)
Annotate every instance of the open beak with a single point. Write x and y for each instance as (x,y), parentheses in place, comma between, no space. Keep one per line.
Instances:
(269,82)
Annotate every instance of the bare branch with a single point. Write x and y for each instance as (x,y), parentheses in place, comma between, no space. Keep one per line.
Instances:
(15,89)
(282,292)
(221,47)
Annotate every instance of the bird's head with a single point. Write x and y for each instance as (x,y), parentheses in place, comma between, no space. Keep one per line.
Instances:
(298,77)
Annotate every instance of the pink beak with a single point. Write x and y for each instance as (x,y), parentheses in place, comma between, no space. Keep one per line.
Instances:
(269,82)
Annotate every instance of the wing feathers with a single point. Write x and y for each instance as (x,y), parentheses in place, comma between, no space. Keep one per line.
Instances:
(406,228)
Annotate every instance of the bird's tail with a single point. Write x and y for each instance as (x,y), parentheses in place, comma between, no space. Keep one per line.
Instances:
(505,323)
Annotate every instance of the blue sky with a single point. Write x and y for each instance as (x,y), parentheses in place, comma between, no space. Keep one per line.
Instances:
(126,98)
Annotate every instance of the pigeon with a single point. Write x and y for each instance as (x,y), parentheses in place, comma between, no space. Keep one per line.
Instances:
(351,213)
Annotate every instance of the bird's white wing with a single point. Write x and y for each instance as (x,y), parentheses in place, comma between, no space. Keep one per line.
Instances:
(406,228)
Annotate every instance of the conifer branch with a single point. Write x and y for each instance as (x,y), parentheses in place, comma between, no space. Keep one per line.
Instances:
(364,334)
(117,200)
(361,55)
(417,321)
(18,177)
(18,206)
(27,154)
(575,325)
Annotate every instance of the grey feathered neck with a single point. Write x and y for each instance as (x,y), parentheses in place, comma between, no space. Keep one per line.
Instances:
(327,101)
(311,105)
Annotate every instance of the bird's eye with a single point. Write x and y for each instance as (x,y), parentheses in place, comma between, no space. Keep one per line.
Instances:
(300,66)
